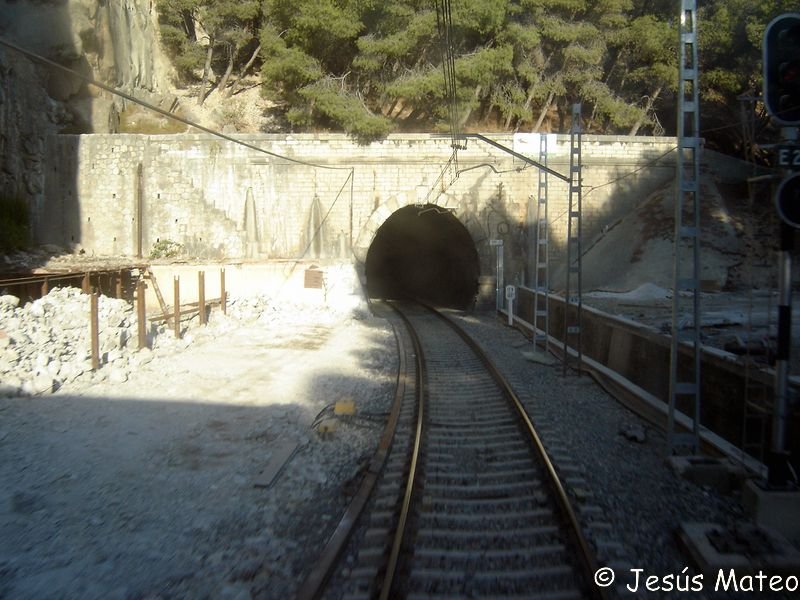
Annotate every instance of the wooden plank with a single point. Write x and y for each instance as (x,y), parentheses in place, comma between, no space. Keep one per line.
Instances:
(313,278)
(188,309)
(280,456)
(151,276)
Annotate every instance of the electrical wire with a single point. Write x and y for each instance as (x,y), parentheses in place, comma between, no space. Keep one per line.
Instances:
(46,61)
(631,173)
(325,218)
(444,22)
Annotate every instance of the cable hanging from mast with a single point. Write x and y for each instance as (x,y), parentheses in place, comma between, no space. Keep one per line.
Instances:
(444,22)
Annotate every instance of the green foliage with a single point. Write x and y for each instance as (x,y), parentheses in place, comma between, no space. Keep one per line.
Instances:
(367,67)
(14,224)
(345,110)
(233,114)
(289,70)
(730,57)
(190,27)
(166,249)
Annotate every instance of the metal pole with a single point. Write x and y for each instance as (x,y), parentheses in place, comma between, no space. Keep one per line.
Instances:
(94,330)
(86,284)
(779,473)
(201,295)
(498,272)
(45,286)
(223,296)
(141,314)
(500,275)
(118,291)
(686,382)
(177,305)
(139,211)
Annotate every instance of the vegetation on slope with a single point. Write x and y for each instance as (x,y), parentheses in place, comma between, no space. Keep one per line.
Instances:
(368,67)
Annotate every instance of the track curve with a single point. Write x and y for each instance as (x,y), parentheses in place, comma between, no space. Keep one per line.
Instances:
(469,505)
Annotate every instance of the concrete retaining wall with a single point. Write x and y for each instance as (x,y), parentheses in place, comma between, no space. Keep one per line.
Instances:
(119,194)
(641,355)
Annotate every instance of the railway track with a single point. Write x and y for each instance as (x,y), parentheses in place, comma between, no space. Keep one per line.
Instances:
(467,504)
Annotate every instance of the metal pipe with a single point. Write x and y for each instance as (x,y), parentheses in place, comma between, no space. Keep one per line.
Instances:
(94,330)
(521,157)
(141,314)
(139,211)
(177,305)
(201,295)
(784,339)
(223,296)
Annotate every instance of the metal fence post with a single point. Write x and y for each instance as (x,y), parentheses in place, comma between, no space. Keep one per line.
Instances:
(223,296)
(177,305)
(94,330)
(142,315)
(201,295)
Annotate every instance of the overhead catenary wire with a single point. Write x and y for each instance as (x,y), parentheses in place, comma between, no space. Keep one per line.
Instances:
(444,22)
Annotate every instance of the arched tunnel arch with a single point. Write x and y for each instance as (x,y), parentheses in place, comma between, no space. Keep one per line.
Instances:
(423,252)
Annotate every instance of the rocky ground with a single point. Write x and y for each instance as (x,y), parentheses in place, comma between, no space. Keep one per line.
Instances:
(146,479)
(153,477)
(214,466)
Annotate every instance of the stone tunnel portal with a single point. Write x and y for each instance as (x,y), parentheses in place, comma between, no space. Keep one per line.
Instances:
(423,252)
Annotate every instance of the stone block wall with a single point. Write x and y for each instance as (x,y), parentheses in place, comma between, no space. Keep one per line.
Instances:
(222,199)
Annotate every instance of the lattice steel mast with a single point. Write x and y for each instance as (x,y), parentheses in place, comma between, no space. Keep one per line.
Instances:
(541,284)
(573,301)
(685,377)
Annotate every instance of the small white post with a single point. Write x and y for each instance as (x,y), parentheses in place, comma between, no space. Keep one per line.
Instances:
(511,294)
(498,244)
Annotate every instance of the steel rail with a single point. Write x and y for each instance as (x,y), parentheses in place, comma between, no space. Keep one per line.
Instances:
(315,582)
(320,574)
(587,558)
(421,392)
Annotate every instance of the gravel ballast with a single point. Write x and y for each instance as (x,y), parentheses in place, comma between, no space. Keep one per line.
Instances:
(152,483)
(621,457)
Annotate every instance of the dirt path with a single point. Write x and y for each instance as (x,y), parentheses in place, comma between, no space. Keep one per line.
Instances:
(147,489)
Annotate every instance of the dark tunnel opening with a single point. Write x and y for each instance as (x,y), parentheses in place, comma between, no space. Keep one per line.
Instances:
(423,252)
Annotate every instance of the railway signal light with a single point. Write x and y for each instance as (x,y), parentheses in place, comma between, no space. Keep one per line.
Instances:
(782,69)
(787,200)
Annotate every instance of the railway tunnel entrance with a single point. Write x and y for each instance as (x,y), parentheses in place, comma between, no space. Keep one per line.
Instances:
(423,252)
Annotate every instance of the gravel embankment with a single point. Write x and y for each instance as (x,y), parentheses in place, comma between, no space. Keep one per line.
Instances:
(629,480)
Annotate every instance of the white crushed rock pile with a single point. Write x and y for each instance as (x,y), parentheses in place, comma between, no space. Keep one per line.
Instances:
(45,345)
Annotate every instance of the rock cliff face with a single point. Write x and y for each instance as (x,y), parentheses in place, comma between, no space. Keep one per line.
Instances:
(112,41)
